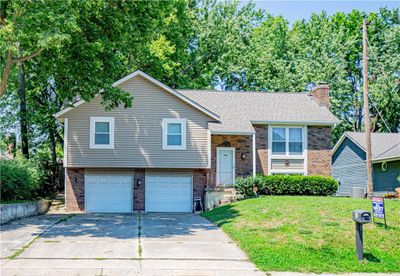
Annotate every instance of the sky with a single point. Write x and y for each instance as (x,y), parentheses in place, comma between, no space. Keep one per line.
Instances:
(295,9)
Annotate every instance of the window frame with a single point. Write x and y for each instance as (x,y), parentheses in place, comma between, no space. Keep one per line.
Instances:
(111,122)
(165,123)
(287,141)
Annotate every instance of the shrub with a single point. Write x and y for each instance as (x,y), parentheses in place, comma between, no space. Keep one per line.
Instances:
(19,179)
(286,185)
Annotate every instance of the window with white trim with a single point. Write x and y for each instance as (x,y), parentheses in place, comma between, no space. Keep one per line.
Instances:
(174,133)
(101,132)
(287,141)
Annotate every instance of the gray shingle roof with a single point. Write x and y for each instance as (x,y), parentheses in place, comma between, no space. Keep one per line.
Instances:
(383,145)
(238,110)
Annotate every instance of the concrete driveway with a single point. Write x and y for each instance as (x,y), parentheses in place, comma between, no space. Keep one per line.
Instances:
(145,244)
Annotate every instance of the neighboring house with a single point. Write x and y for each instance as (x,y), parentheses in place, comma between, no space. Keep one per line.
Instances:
(165,150)
(349,162)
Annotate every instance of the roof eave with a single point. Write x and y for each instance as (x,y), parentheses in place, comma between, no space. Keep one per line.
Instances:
(389,158)
(319,123)
(229,132)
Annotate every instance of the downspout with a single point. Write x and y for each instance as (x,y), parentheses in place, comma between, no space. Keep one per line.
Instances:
(65,161)
(254,154)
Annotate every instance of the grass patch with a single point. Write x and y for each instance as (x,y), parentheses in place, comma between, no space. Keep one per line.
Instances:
(22,249)
(64,219)
(17,201)
(140,249)
(52,241)
(310,234)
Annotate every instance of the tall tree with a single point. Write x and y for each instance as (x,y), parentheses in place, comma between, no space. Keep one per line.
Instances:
(22,106)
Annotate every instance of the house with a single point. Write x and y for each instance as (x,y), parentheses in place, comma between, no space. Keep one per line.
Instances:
(349,162)
(172,144)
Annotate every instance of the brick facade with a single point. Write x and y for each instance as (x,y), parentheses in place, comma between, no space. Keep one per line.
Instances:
(242,145)
(319,151)
(200,182)
(75,190)
(139,190)
(261,148)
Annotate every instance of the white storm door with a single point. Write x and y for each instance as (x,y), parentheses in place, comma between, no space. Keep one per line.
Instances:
(225,166)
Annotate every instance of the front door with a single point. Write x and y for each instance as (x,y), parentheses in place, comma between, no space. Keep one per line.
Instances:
(225,166)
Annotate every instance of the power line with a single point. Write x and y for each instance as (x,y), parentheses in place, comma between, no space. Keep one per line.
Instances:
(378,62)
(380,115)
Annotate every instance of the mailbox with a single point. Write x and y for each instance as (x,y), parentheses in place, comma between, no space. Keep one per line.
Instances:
(361,216)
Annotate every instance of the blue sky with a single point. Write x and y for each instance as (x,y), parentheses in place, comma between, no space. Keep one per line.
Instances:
(296,9)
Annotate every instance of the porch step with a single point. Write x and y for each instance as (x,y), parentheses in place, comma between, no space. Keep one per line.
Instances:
(224,202)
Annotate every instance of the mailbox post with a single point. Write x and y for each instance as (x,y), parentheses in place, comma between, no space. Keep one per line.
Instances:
(360,217)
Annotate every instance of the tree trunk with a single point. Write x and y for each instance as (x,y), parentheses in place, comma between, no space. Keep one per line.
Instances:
(53,145)
(22,107)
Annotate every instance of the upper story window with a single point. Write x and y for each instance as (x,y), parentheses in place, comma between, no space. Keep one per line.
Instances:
(287,141)
(174,133)
(101,132)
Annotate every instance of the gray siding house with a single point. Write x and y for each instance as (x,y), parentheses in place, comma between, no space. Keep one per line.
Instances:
(349,162)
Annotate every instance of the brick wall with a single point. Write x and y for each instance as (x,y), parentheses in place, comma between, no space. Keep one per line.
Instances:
(242,144)
(200,181)
(319,150)
(261,148)
(139,191)
(321,94)
(75,189)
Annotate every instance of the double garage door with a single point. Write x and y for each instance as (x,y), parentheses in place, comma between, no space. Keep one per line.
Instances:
(164,192)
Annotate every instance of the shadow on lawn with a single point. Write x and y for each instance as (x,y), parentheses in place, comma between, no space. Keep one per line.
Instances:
(387,227)
(371,258)
(222,215)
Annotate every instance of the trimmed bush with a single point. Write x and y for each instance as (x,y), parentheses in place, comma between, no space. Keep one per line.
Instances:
(19,180)
(286,185)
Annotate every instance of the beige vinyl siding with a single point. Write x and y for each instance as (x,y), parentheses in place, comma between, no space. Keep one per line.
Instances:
(293,164)
(138,131)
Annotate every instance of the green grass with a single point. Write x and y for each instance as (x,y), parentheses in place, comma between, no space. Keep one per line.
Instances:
(22,249)
(16,201)
(64,219)
(310,234)
(140,249)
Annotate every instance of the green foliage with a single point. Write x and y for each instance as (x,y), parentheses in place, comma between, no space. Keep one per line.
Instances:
(19,179)
(49,174)
(310,234)
(286,185)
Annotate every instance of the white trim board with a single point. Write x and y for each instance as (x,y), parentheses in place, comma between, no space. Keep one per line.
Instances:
(93,121)
(165,122)
(303,156)
(65,149)
(295,123)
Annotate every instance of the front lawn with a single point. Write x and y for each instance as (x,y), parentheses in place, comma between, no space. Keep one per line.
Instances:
(310,234)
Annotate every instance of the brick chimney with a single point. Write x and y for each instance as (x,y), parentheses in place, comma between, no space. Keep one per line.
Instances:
(321,94)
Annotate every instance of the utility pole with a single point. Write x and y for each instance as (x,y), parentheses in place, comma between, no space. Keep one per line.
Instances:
(366,109)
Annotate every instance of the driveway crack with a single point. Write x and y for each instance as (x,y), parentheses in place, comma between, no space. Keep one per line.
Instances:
(140,239)
(35,238)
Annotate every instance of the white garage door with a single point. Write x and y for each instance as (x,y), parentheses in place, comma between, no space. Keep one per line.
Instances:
(108,193)
(168,192)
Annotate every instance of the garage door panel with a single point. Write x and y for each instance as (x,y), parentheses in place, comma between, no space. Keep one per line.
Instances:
(108,193)
(168,192)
